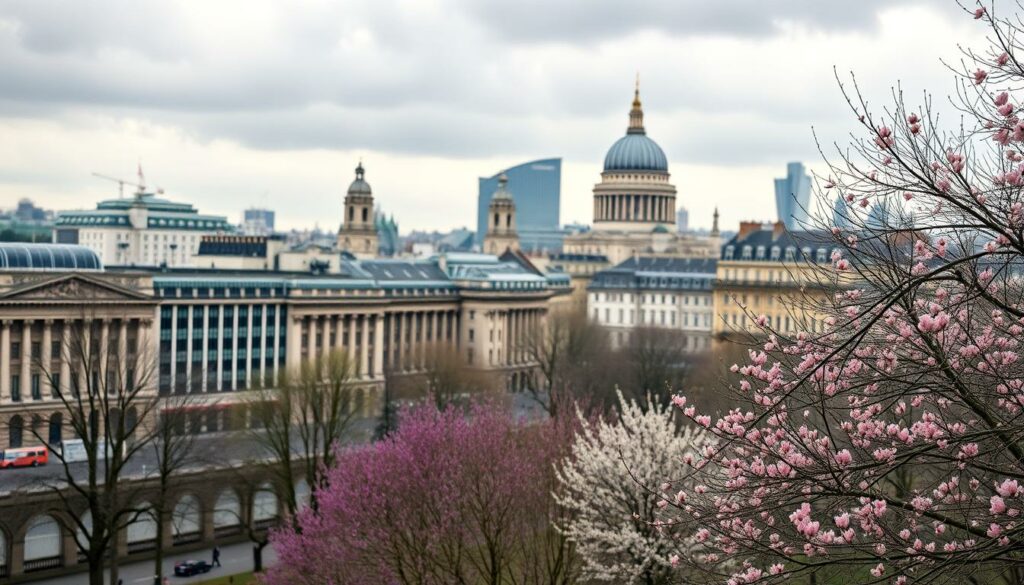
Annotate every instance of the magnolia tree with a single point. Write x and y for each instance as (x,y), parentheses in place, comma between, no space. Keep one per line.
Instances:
(450,497)
(610,483)
(890,447)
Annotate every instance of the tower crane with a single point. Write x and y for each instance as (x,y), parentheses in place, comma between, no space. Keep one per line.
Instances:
(121,183)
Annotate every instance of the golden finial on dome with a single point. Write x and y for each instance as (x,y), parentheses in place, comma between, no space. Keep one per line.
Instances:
(636,115)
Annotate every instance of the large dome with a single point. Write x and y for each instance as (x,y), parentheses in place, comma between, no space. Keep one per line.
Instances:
(635,152)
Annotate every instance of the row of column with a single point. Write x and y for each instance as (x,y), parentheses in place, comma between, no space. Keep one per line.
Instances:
(351,333)
(659,208)
(411,333)
(233,344)
(520,325)
(76,338)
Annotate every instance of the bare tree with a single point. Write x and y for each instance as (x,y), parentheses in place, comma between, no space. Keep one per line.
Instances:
(655,361)
(107,404)
(571,355)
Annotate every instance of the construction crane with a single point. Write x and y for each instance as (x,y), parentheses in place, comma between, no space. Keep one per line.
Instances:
(121,183)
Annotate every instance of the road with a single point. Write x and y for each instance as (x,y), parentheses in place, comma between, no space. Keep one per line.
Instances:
(235,558)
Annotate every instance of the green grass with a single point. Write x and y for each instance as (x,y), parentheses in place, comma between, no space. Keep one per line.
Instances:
(239,579)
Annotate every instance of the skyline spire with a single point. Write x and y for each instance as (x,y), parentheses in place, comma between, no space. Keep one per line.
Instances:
(636,114)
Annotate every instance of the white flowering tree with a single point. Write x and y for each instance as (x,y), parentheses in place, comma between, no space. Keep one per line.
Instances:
(612,486)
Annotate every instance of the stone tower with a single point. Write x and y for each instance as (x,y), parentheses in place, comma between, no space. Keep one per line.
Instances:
(358,233)
(501,221)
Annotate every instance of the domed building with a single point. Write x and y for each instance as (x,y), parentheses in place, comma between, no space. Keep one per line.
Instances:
(634,209)
(358,232)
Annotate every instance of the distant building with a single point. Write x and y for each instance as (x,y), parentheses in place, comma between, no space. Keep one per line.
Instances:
(682,220)
(665,293)
(358,232)
(537,186)
(501,221)
(144,230)
(793,197)
(257,222)
(389,244)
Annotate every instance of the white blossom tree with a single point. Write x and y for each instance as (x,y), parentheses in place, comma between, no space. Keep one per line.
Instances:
(611,485)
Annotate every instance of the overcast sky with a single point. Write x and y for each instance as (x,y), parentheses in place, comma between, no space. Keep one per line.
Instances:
(272,103)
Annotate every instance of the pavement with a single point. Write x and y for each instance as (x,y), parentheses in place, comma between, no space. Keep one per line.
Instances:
(235,558)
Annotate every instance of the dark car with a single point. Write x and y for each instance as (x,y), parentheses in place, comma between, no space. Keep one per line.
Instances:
(189,568)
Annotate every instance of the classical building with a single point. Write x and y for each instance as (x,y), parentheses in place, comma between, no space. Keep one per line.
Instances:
(635,206)
(143,230)
(220,331)
(771,271)
(358,233)
(668,293)
(501,225)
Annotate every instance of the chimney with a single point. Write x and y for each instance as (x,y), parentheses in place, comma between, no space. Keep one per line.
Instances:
(778,228)
(747,228)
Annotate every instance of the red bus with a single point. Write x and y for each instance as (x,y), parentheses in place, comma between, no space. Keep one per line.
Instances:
(24,457)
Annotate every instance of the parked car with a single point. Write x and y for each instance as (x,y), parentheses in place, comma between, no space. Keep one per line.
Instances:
(24,457)
(189,568)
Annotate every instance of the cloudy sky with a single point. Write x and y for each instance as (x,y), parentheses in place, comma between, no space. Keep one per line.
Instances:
(271,103)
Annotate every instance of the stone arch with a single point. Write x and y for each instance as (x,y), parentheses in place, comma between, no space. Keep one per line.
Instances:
(264,506)
(227,513)
(15,431)
(43,543)
(141,532)
(187,519)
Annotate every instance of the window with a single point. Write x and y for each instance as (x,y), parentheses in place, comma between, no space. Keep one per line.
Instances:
(15,348)
(15,388)
(471,334)
(37,393)
(729,252)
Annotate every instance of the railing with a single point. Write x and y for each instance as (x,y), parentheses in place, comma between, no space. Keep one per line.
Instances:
(141,545)
(222,531)
(264,524)
(187,538)
(42,564)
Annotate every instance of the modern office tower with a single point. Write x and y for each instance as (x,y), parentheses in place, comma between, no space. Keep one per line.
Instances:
(793,196)
(257,222)
(537,186)
(682,220)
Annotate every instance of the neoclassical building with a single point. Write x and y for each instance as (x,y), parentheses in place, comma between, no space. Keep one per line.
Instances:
(215,333)
(634,206)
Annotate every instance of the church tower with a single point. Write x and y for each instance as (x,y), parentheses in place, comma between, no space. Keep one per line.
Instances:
(501,221)
(358,233)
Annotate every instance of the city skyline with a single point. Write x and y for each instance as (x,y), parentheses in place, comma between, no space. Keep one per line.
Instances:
(224,122)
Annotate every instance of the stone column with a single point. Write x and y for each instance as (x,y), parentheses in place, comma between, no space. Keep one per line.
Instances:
(44,358)
(5,360)
(248,350)
(351,349)
(189,344)
(122,354)
(206,350)
(26,358)
(220,348)
(294,342)
(263,345)
(174,345)
(65,355)
(234,348)
(378,346)
(364,349)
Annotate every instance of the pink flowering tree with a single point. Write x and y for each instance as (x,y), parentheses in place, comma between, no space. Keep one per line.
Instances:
(890,446)
(450,497)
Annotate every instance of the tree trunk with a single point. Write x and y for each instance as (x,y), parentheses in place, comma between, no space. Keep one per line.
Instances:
(96,572)
(158,557)
(257,557)
(113,572)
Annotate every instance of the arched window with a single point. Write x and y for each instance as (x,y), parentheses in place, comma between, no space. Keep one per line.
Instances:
(301,494)
(508,220)
(227,511)
(185,518)
(131,421)
(56,434)
(365,214)
(351,213)
(497,220)
(42,543)
(15,431)
(264,505)
(141,533)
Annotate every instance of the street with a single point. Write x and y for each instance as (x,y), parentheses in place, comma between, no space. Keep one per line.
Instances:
(235,558)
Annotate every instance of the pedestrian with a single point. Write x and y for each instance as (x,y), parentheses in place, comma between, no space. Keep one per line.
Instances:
(216,556)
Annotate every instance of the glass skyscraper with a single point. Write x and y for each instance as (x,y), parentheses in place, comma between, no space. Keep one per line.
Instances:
(536,188)
(793,196)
